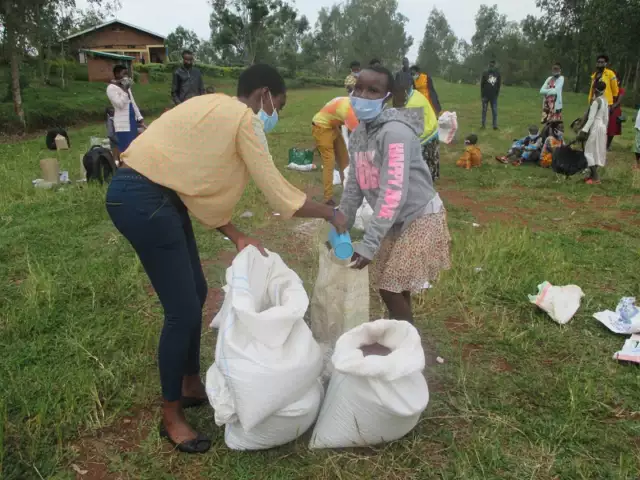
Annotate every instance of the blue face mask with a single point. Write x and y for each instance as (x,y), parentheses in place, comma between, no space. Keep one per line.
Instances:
(367,110)
(269,121)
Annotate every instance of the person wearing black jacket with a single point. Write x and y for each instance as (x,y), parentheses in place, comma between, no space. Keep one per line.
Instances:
(187,80)
(489,91)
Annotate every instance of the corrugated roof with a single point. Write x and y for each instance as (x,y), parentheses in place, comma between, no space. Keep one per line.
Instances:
(114,56)
(111,22)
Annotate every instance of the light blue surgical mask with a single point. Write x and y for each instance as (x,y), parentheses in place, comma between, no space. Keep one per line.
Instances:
(269,121)
(367,110)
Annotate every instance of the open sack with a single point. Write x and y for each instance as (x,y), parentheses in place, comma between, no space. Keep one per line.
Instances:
(373,399)
(263,383)
(340,299)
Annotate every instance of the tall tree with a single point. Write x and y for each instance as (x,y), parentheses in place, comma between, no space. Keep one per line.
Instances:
(246,30)
(437,50)
(182,39)
(375,28)
(330,38)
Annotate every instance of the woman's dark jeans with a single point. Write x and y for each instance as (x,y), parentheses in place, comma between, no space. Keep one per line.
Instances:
(156,223)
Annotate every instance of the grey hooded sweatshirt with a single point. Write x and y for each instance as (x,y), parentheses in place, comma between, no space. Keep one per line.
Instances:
(387,168)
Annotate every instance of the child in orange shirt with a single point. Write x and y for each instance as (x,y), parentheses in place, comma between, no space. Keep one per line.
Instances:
(553,141)
(472,156)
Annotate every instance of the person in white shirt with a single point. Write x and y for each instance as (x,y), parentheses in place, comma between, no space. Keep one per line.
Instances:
(127,117)
(594,133)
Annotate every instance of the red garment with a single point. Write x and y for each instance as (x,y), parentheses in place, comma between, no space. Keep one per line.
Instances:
(615,127)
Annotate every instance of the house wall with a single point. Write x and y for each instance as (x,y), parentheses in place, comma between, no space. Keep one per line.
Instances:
(100,69)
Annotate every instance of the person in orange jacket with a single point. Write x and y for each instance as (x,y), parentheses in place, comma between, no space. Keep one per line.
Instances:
(423,83)
(472,156)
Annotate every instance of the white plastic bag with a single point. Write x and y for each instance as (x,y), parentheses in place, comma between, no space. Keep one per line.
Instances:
(625,320)
(265,350)
(336,178)
(302,168)
(364,213)
(630,351)
(373,399)
(447,127)
(561,303)
(282,427)
(340,299)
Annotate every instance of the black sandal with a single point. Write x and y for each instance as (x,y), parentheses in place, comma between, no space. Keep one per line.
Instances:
(193,402)
(200,444)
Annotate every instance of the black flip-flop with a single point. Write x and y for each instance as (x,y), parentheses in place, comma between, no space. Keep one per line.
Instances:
(200,444)
(193,402)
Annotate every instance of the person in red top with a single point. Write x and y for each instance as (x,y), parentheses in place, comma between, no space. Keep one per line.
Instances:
(615,111)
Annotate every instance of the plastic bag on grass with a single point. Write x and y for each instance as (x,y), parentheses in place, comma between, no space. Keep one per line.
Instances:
(373,399)
(447,127)
(282,427)
(630,351)
(625,320)
(265,351)
(561,303)
(364,213)
(340,299)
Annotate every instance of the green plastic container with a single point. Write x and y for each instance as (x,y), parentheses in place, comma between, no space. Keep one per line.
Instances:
(300,157)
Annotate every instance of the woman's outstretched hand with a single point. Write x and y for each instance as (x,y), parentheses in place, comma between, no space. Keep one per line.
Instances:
(244,241)
(358,262)
(339,221)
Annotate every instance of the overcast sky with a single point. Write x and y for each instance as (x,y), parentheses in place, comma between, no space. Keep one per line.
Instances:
(163,16)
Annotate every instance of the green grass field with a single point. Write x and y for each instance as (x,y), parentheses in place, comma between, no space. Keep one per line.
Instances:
(518,397)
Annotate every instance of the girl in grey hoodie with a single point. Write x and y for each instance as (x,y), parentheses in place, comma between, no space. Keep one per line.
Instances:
(408,234)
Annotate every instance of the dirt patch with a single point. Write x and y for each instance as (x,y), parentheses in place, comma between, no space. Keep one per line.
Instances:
(456,325)
(502,366)
(509,214)
(470,350)
(123,437)
(212,305)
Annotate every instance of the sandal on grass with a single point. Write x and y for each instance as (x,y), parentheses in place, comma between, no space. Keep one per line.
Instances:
(200,444)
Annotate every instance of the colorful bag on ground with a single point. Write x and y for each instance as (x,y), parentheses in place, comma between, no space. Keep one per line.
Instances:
(300,156)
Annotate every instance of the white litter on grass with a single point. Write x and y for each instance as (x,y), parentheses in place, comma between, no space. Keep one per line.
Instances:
(561,303)
(475,225)
(426,286)
(276,214)
(477,269)
(226,238)
(630,351)
(625,320)
(440,360)
(246,214)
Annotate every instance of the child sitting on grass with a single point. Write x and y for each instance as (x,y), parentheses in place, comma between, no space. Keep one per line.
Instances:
(525,149)
(553,141)
(472,156)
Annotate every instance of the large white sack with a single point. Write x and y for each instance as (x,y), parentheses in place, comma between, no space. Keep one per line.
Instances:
(364,213)
(447,127)
(282,427)
(265,350)
(373,399)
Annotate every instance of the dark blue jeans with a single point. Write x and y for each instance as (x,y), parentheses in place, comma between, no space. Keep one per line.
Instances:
(494,110)
(156,223)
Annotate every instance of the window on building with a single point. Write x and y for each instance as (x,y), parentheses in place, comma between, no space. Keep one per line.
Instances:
(82,57)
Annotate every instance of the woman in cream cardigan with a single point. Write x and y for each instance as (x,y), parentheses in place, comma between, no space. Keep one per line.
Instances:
(127,117)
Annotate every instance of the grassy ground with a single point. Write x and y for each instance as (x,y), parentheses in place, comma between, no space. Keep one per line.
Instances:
(517,397)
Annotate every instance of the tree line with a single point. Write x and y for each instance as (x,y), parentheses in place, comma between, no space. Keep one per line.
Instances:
(572,32)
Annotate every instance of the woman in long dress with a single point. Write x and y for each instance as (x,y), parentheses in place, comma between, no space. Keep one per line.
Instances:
(595,134)
(552,91)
